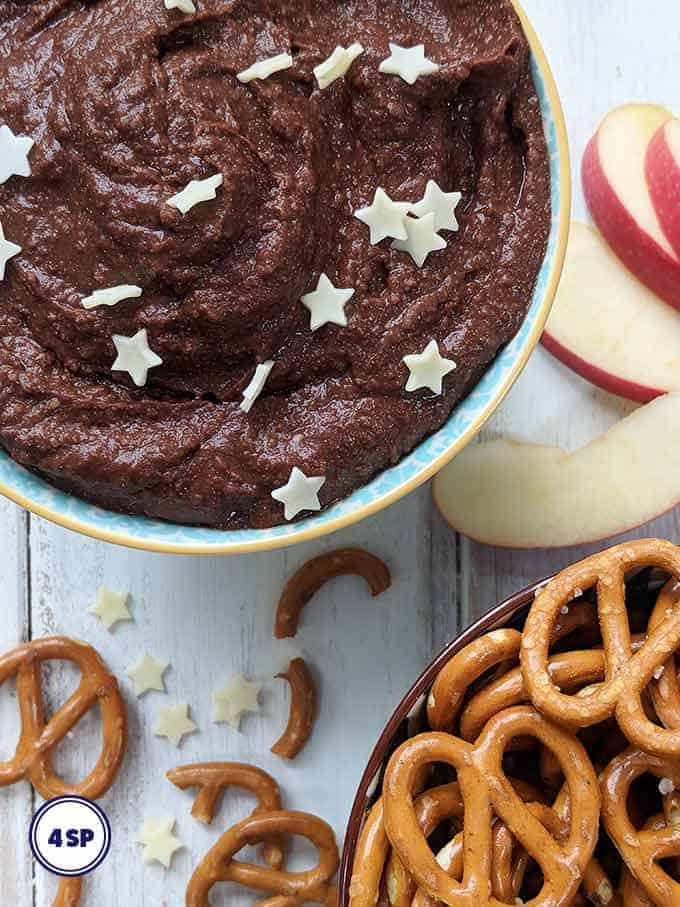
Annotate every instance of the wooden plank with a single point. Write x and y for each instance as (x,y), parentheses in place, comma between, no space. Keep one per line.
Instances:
(15,801)
(213,617)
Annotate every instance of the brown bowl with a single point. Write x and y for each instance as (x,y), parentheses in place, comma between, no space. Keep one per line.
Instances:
(406,719)
(410,717)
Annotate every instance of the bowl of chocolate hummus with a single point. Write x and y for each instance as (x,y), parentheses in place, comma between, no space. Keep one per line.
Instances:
(265,265)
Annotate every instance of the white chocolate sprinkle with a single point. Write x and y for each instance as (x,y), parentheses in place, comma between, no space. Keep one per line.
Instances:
(7,250)
(265,68)
(327,304)
(185,6)
(158,840)
(111,607)
(442,204)
(230,703)
(256,386)
(111,296)
(300,493)
(410,63)
(14,150)
(195,192)
(428,369)
(147,674)
(135,356)
(174,723)
(422,239)
(337,65)
(384,217)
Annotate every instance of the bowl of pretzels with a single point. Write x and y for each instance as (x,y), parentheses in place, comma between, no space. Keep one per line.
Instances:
(537,759)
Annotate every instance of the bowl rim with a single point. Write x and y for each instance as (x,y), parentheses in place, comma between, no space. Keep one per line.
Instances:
(561,224)
(495,619)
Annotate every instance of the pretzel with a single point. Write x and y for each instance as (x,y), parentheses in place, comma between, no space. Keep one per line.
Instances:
(569,670)
(369,861)
(213,778)
(467,666)
(641,850)
(487,791)
(665,689)
(69,892)
(219,864)
(302,710)
(32,757)
(626,674)
(509,863)
(431,808)
(497,648)
(301,587)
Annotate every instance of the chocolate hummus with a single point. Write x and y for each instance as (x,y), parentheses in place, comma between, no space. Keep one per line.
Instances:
(127,102)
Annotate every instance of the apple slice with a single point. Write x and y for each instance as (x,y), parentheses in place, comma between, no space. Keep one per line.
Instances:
(615,186)
(663,179)
(608,327)
(521,495)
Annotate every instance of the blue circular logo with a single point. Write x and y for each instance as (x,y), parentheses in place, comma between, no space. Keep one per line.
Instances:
(70,836)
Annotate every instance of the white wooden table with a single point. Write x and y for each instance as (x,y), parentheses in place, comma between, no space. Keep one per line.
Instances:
(213,617)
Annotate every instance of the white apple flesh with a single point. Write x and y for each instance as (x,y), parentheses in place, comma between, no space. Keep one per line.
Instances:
(663,178)
(520,495)
(608,327)
(616,190)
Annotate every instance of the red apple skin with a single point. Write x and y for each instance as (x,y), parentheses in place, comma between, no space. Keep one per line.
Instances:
(629,390)
(662,170)
(638,251)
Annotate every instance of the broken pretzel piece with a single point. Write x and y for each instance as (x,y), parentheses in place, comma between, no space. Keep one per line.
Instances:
(316,573)
(213,778)
(302,710)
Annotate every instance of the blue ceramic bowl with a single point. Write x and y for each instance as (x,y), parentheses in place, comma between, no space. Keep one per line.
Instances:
(417,467)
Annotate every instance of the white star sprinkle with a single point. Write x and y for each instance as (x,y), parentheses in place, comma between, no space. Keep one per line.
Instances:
(185,6)
(384,217)
(230,703)
(14,151)
(442,204)
(327,304)
(256,386)
(7,250)
(174,723)
(158,840)
(299,493)
(111,607)
(196,192)
(135,356)
(422,239)
(408,62)
(266,68)
(147,674)
(111,296)
(337,65)
(428,369)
